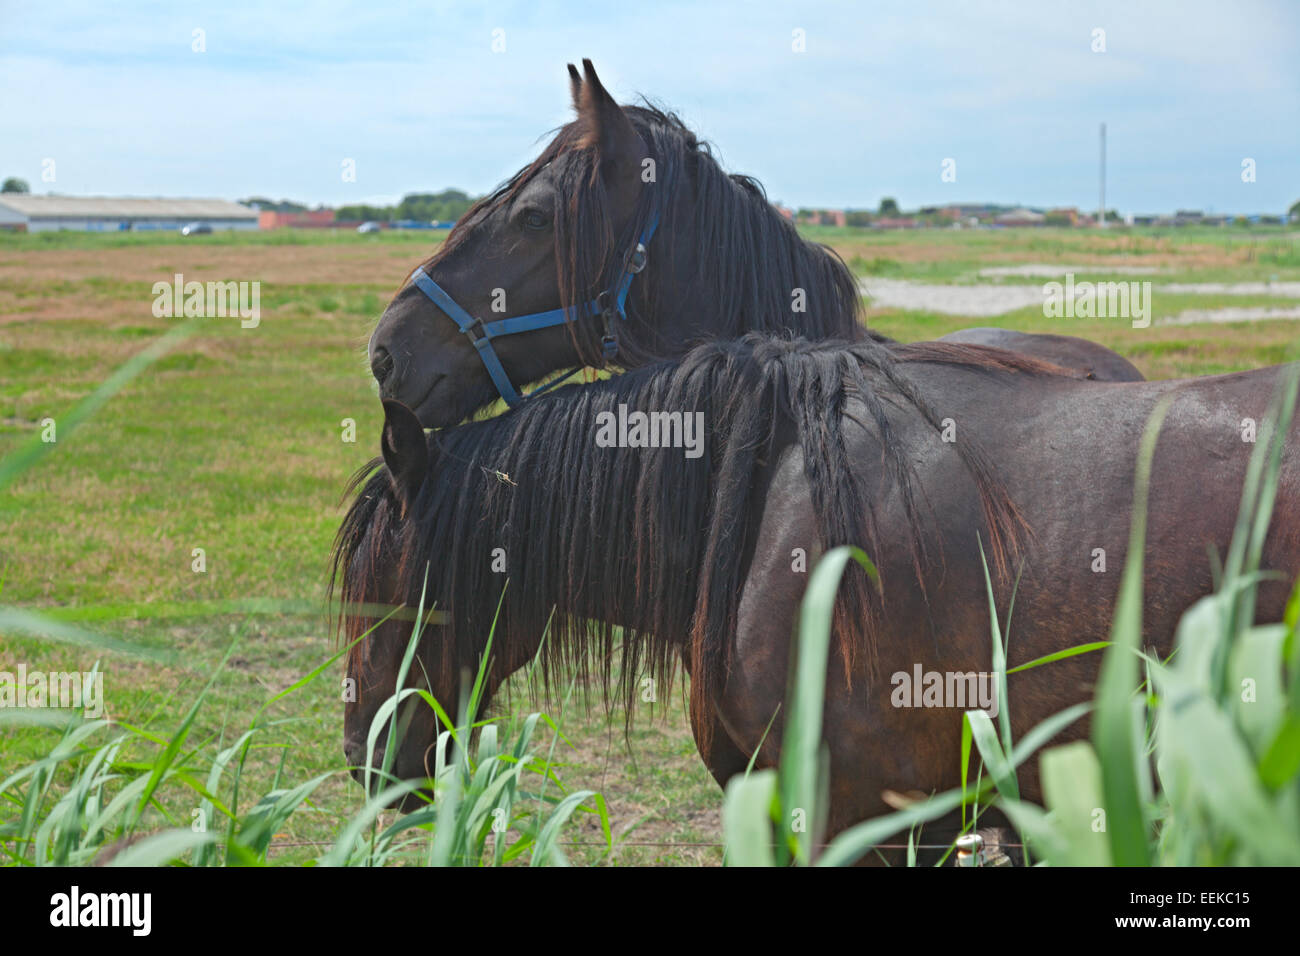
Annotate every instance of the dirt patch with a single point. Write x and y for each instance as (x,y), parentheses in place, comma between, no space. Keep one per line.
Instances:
(383,265)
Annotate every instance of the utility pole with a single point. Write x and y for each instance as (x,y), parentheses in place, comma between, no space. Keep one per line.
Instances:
(1101,209)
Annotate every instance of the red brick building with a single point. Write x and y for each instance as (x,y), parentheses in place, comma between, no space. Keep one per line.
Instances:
(315,218)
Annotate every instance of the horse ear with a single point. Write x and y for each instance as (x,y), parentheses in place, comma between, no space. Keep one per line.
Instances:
(607,126)
(406,450)
(575,87)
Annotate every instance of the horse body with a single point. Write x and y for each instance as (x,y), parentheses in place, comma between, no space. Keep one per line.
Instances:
(1069,451)
(1068,351)
(810,447)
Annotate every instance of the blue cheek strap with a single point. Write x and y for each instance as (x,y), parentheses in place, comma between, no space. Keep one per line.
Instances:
(609,304)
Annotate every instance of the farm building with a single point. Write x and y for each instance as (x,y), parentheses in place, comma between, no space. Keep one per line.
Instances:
(105,214)
(1021,217)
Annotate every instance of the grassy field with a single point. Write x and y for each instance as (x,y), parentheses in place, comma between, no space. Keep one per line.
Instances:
(1178,257)
(233,443)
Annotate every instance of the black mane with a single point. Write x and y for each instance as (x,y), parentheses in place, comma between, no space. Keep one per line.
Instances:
(647,539)
(709,218)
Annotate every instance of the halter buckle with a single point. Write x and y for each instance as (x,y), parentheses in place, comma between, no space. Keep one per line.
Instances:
(638,259)
(605,307)
(608,341)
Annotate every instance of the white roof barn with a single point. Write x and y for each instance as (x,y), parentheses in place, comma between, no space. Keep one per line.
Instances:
(1021,217)
(111,214)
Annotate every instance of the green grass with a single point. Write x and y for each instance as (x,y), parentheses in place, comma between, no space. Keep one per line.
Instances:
(232,442)
(122,802)
(1200,254)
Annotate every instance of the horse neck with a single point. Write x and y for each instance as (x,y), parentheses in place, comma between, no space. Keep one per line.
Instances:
(600,552)
(716,277)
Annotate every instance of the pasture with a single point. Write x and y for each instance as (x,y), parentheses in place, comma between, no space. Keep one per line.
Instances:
(235,443)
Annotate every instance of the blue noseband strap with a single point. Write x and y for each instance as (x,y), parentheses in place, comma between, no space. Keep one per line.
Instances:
(607,305)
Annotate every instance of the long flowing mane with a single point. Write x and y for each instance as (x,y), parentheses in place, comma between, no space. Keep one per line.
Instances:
(710,218)
(646,548)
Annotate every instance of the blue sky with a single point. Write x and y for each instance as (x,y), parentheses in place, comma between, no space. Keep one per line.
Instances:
(883,93)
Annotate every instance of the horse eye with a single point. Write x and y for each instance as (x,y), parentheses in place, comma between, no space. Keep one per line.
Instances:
(533,219)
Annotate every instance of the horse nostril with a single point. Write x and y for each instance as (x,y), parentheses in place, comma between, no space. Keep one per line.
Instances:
(381,364)
(354,752)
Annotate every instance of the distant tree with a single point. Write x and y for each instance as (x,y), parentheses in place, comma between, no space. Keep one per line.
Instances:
(362,213)
(15,185)
(446,206)
(889,207)
(932,216)
(1294,212)
(270,205)
(857,217)
(1112,215)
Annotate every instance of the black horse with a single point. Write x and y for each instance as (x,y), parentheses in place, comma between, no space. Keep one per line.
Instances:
(623,243)
(697,550)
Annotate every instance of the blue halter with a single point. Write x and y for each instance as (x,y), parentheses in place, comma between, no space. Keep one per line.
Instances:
(610,303)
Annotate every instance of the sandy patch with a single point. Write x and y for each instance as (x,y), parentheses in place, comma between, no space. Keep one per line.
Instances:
(1256,314)
(995,300)
(1288,290)
(950,299)
(1049,271)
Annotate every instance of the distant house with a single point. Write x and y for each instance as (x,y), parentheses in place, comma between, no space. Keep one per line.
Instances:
(1021,217)
(786,212)
(821,217)
(1063,216)
(970,213)
(312,219)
